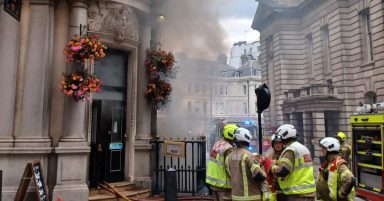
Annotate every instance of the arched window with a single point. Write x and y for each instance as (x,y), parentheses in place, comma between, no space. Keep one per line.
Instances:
(370,97)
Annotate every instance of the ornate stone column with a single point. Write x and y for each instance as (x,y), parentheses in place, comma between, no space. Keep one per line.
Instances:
(141,165)
(73,150)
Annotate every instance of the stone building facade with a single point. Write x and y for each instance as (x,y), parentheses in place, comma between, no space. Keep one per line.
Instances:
(320,60)
(37,122)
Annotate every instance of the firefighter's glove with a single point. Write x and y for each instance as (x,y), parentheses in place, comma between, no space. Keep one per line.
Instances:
(259,177)
(325,173)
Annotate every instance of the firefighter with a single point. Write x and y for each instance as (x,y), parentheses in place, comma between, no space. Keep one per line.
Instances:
(335,182)
(277,145)
(245,170)
(346,149)
(294,169)
(217,177)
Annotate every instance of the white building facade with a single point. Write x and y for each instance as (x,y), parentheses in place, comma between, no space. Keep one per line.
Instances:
(243,52)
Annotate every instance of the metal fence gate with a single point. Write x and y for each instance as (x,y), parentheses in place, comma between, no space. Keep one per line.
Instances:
(190,169)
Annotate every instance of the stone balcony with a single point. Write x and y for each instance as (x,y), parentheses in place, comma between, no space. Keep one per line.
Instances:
(319,97)
(313,90)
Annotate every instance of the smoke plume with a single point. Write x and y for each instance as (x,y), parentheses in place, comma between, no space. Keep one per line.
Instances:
(191,27)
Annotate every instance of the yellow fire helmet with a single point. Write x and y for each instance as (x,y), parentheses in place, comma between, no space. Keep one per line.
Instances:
(229,130)
(342,136)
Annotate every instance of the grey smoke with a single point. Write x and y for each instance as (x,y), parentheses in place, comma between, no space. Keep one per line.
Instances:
(192,27)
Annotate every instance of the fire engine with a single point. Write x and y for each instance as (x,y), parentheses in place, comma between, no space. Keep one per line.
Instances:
(367,131)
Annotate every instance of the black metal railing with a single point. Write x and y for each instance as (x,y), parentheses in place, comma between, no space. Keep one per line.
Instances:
(190,169)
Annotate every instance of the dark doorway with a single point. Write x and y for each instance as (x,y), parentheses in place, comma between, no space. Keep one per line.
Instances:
(108,134)
(331,121)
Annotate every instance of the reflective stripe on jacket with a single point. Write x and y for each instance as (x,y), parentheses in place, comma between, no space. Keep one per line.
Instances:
(301,179)
(334,179)
(216,173)
(243,167)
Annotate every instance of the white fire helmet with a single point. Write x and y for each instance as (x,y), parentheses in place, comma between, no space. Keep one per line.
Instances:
(331,144)
(286,131)
(242,135)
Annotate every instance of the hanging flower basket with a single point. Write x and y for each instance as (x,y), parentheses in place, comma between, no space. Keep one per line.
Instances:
(158,91)
(80,48)
(160,69)
(80,85)
(159,61)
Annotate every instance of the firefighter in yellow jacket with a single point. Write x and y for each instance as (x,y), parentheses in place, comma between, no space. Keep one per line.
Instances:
(335,182)
(294,169)
(246,174)
(345,148)
(217,176)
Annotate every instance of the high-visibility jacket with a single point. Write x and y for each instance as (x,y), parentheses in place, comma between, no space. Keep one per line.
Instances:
(334,179)
(244,168)
(301,179)
(216,172)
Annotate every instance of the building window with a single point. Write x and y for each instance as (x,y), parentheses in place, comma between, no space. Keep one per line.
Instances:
(237,74)
(367,36)
(245,108)
(205,107)
(226,108)
(226,90)
(221,108)
(309,43)
(221,90)
(326,53)
(189,106)
(217,108)
(250,51)
(370,97)
(245,89)
(213,73)
(197,107)
(257,72)
(204,88)
(245,51)
(197,88)
(223,73)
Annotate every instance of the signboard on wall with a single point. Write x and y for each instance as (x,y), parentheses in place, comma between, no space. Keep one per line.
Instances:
(174,149)
(13,7)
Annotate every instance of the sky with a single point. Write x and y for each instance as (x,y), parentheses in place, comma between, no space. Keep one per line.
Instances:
(236,17)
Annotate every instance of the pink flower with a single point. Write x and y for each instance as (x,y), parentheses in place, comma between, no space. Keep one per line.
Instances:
(74,87)
(76,48)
